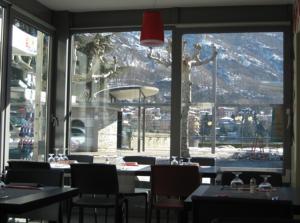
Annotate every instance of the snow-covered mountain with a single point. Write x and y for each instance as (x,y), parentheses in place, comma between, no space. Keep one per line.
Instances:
(248,68)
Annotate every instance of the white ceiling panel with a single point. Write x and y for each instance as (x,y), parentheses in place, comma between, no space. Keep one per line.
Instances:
(105,5)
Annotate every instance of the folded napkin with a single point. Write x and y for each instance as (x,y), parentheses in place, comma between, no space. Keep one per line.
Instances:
(131,164)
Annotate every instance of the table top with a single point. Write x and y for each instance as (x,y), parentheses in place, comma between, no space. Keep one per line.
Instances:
(276,193)
(18,200)
(144,170)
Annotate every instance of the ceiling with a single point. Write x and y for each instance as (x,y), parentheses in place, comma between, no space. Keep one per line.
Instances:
(104,5)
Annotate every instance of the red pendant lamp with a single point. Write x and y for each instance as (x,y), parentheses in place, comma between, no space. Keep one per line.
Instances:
(152,33)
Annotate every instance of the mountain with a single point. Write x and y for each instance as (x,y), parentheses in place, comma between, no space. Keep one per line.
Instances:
(248,68)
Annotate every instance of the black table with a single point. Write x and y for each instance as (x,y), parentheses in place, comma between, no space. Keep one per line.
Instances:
(23,200)
(280,193)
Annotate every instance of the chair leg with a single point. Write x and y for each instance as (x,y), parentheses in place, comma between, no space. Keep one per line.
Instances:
(150,214)
(69,214)
(183,216)
(146,208)
(168,215)
(95,214)
(80,215)
(157,216)
(126,211)
(105,215)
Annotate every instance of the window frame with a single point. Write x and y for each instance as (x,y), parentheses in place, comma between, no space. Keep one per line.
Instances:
(286,29)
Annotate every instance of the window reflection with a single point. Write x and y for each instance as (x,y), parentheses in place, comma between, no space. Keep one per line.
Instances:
(121,93)
(28,92)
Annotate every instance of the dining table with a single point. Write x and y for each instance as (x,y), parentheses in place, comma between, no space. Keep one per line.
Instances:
(20,199)
(275,193)
(142,170)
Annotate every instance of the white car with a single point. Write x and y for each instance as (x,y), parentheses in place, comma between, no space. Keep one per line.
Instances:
(78,137)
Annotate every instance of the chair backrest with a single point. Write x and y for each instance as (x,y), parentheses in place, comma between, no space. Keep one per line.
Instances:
(95,178)
(23,164)
(140,159)
(82,158)
(275,178)
(168,180)
(40,176)
(204,161)
(205,209)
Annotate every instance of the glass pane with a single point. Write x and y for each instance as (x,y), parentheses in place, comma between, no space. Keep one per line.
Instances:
(28,92)
(1,35)
(120,96)
(233,99)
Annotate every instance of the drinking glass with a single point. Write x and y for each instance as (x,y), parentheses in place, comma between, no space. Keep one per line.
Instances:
(2,190)
(65,157)
(237,181)
(60,156)
(265,184)
(51,157)
(56,157)
(174,160)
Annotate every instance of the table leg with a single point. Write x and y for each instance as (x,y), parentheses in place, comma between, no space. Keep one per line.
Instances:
(3,217)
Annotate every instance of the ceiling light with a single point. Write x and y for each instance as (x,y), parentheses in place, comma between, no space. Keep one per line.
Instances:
(152,33)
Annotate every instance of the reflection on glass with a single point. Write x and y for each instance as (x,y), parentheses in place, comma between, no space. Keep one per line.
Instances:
(28,92)
(121,95)
(265,184)
(236,181)
(174,160)
(234,102)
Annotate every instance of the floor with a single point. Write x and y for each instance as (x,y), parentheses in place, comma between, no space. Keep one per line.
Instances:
(136,215)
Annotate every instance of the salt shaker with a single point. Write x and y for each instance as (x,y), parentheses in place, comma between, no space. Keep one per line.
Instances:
(252,184)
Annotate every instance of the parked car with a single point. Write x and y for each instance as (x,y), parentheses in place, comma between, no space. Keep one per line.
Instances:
(78,138)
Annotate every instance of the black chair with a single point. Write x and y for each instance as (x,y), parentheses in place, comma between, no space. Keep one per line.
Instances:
(148,160)
(141,190)
(275,178)
(207,209)
(99,188)
(23,164)
(41,177)
(82,158)
(204,161)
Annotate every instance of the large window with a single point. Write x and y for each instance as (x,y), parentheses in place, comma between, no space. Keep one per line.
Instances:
(120,96)
(232,97)
(28,92)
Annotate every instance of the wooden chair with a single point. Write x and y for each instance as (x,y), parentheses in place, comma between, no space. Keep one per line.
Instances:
(98,187)
(207,209)
(43,177)
(169,186)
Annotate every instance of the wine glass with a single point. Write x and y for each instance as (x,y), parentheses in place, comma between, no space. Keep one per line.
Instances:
(60,156)
(51,157)
(56,157)
(2,190)
(237,181)
(174,160)
(189,160)
(265,185)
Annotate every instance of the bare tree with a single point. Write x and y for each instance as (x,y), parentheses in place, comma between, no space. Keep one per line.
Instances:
(188,62)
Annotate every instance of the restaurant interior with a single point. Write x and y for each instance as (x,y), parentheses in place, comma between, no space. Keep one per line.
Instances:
(149,111)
